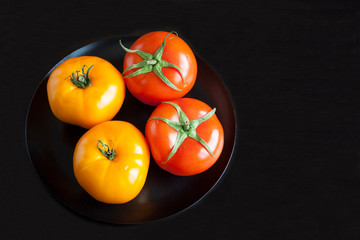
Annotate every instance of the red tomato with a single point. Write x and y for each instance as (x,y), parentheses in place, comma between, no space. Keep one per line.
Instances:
(185,136)
(159,67)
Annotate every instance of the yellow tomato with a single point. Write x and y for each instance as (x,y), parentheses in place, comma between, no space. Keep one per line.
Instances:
(85,91)
(111,161)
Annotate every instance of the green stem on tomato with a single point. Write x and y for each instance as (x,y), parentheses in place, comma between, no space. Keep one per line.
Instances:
(106,151)
(81,79)
(153,63)
(185,128)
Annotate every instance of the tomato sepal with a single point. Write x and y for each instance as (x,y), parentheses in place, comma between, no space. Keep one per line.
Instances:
(81,80)
(185,128)
(106,151)
(153,63)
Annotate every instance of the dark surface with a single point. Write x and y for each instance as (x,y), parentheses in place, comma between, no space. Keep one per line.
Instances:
(292,69)
(51,145)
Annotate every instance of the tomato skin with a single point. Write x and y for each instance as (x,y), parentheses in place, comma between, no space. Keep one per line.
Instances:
(114,181)
(86,107)
(148,87)
(191,158)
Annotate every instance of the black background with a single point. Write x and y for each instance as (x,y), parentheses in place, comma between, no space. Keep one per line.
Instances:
(292,70)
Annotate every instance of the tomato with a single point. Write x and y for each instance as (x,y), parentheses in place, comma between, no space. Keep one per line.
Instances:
(85,91)
(185,136)
(159,66)
(111,162)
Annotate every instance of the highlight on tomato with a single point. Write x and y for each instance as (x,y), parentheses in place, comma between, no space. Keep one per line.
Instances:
(185,136)
(85,91)
(111,162)
(159,66)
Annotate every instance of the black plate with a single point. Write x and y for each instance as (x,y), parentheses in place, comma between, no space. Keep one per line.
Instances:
(51,144)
